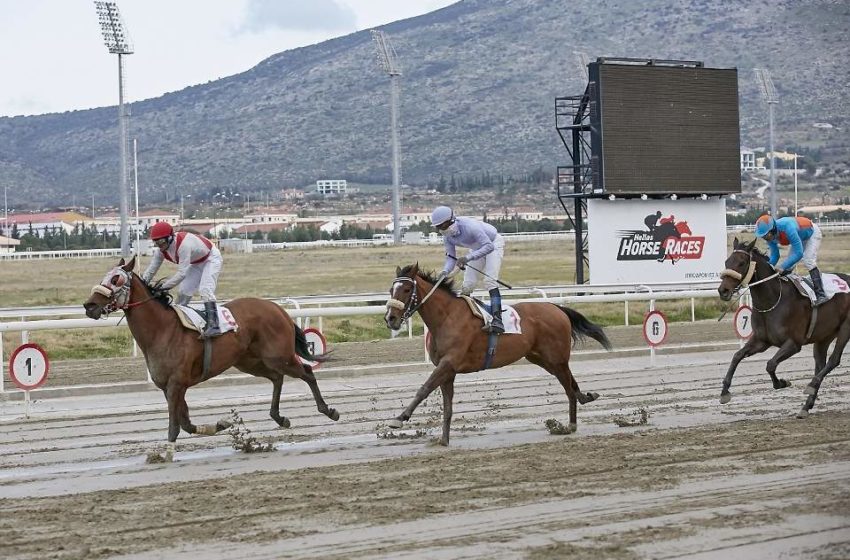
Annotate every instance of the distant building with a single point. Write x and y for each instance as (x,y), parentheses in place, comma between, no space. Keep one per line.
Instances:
(331,186)
(7,244)
(748,160)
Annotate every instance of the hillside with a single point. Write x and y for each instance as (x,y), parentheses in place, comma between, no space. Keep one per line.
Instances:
(478,89)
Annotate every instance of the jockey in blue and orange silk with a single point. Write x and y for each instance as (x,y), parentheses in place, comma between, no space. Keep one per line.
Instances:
(487,248)
(803,237)
(198,266)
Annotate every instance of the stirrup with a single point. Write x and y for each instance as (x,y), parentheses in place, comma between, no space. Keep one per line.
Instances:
(493,329)
(819,301)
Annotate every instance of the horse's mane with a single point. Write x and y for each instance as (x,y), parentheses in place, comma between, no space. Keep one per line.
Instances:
(447,285)
(157,293)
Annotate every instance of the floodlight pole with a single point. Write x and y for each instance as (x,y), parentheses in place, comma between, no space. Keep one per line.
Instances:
(117,42)
(388,62)
(768,93)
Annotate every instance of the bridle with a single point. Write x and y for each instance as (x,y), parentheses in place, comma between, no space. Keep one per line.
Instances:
(744,280)
(117,292)
(413,304)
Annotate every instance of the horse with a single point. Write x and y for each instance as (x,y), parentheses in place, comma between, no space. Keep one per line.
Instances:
(782,319)
(267,344)
(458,345)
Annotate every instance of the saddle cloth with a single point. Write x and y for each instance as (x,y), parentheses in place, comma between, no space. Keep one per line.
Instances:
(192,319)
(832,284)
(510,317)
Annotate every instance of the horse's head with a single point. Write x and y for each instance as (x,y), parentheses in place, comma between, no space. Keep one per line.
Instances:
(683,228)
(740,267)
(113,292)
(403,298)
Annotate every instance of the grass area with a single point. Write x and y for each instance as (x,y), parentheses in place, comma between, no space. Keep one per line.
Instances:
(295,273)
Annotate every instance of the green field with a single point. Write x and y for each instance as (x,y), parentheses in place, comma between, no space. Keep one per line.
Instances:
(292,273)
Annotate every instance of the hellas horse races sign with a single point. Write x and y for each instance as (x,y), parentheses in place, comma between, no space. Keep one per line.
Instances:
(647,241)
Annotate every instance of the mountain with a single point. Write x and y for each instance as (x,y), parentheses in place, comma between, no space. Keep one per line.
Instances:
(478,88)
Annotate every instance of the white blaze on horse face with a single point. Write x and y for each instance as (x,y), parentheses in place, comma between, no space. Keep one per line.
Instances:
(393,303)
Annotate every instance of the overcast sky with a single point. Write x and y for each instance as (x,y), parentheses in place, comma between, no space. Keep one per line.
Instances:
(52,56)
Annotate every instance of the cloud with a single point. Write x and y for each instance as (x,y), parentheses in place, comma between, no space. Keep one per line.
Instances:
(311,15)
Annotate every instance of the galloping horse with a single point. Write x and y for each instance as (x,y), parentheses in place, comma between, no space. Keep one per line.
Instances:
(458,344)
(266,344)
(782,319)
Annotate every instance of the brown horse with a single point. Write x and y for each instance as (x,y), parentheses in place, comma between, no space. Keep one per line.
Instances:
(458,344)
(782,319)
(267,344)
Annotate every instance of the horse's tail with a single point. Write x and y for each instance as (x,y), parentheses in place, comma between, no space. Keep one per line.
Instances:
(583,327)
(302,347)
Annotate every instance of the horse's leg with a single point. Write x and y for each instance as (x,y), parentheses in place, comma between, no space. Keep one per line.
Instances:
(565,377)
(448,390)
(306,373)
(834,360)
(437,378)
(174,396)
(753,346)
(788,349)
(583,398)
(819,351)
(277,386)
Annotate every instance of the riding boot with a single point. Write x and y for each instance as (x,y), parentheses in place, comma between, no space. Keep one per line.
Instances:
(817,283)
(496,326)
(212,320)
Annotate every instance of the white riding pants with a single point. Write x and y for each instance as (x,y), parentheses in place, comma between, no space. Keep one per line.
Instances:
(202,278)
(810,248)
(490,264)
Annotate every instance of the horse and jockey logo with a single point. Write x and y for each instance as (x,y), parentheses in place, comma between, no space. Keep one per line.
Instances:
(664,239)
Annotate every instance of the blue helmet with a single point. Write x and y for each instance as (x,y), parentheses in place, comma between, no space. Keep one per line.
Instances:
(764,225)
(441,215)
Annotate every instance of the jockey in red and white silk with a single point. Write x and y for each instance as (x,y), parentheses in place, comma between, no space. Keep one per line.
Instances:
(198,266)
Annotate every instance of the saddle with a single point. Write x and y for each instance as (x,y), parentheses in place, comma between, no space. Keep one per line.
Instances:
(510,318)
(832,284)
(196,320)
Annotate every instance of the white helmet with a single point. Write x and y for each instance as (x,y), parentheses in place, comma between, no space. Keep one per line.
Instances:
(441,215)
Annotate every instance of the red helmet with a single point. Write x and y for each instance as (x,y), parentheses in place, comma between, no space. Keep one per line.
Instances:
(160,230)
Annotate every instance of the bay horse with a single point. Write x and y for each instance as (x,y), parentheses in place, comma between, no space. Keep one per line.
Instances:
(458,345)
(267,344)
(781,319)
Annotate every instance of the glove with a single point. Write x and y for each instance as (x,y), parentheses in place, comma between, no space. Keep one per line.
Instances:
(783,271)
(461,262)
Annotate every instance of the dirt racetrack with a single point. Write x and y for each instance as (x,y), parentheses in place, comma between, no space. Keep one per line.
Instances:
(697,480)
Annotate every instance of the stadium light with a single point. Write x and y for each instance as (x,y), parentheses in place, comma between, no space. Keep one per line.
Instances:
(117,41)
(768,94)
(388,62)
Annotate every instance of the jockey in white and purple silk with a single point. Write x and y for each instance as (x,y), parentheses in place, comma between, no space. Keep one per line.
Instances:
(487,248)
(198,266)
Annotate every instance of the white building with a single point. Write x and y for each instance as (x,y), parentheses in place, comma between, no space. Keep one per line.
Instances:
(331,186)
(748,160)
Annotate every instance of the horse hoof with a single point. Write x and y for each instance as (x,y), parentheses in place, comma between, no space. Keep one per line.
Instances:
(571,428)
(725,397)
(809,390)
(590,396)
(284,422)
(803,414)
(223,424)
(333,414)
(395,423)
(783,383)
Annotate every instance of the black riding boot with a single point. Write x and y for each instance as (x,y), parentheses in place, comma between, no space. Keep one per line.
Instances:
(496,326)
(817,283)
(212,320)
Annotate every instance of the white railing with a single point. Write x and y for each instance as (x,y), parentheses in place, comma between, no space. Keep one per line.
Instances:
(341,306)
(65,254)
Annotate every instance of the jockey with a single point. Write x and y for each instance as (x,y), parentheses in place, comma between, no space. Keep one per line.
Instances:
(803,236)
(487,248)
(198,266)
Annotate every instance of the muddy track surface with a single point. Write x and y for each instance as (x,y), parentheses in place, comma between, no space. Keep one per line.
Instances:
(685,477)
